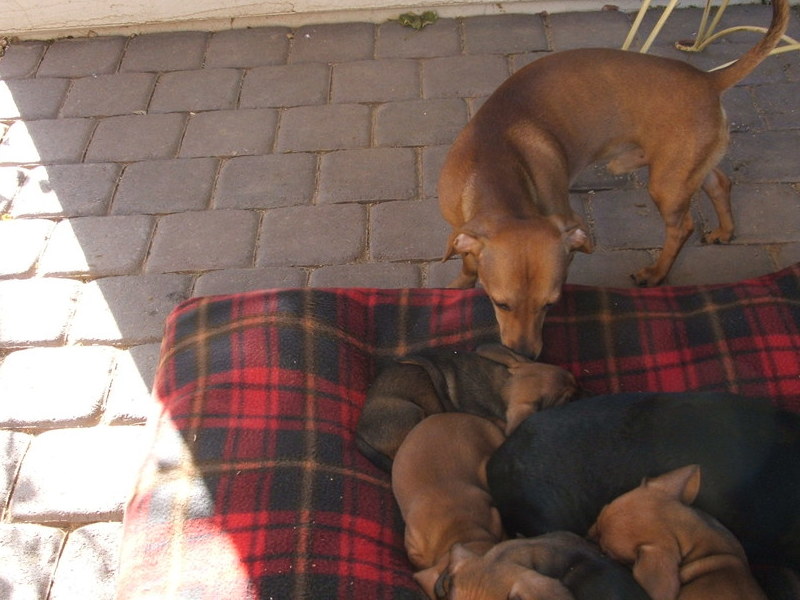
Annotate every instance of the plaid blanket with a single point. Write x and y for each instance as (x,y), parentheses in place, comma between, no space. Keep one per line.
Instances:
(254,487)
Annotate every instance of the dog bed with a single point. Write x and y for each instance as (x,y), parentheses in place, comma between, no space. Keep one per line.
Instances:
(254,488)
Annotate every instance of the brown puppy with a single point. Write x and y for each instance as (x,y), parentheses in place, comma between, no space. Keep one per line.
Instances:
(676,551)
(439,481)
(492,382)
(504,186)
(554,565)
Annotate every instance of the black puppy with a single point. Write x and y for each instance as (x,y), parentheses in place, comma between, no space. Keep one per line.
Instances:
(493,382)
(505,571)
(561,466)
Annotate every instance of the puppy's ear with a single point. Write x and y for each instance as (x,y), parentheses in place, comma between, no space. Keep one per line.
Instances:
(427,580)
(683,484)
(574,234)
(656,570)
(531,585)
(467,243)
(500,354)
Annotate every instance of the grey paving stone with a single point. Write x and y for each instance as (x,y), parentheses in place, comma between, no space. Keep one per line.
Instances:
(596,177)
(432,161)
(370,275)
(65,190)
(329,127)
(504,34)
(763,212)
(368,175)
(376,80)
(14,445)
(440,274)
(644,227)
(439,39)
(787,255)
(236,281)
(463,76)
(71,394)
(32,98)
(128,310)
(607,268)
(165,52)
(230,133)
(80,475)
(779,104)
(129,399)
(338,234)
(202,89)
(606,29)
(407,230)
(419,122)
(191,241)
(97,246)
(719,264)
(82,57)
(29,554)
(35,311)
(269,181)
(741,110)
(766,156)
(129,138)
(337,42)
(45,141)
(109,95)
(286,85)
(21,244)
(21,59)
(248,47)
(165,186)
(88,564)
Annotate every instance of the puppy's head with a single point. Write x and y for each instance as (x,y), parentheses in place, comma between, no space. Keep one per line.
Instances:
(523,266)
(640,528)
(489,577)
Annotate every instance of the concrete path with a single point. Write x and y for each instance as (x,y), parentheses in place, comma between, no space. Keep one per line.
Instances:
(137,172)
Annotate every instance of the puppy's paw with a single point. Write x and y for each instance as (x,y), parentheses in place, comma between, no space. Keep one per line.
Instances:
(718,236)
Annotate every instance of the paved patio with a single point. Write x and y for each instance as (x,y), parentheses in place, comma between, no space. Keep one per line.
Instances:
(137,172)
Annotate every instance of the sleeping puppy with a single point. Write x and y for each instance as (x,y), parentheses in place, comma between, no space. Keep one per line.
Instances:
(492,382)
(561,466)
(677,552)
(439,481)
(568,565)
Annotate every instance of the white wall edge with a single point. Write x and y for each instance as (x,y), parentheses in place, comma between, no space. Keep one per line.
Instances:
(44,26)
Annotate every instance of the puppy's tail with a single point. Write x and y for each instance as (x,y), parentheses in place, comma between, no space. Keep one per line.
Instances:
(728,76)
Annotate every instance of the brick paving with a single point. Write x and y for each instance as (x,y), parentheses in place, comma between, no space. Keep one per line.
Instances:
(136,172)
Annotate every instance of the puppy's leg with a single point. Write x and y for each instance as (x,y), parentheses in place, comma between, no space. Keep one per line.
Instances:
(717,187)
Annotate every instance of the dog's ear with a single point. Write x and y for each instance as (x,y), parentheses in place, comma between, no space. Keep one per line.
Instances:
(656,570)
(500,354)
(467,243)
(574,234)
(531,585)
(682,484)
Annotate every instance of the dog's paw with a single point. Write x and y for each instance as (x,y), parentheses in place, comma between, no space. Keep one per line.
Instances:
(718,236)
(647,277)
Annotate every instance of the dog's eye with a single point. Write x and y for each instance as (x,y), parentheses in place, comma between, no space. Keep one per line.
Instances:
(549,305)
(502,306)
(442,587)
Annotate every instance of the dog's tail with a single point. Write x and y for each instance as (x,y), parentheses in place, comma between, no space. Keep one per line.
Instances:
(728,76)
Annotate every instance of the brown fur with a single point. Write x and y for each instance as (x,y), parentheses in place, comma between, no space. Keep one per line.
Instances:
(504,187)
(677,552)
(439,481)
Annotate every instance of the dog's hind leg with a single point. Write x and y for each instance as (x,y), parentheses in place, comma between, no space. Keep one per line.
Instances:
(717,187)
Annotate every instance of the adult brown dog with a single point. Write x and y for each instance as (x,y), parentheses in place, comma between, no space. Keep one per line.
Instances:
(439,481)
(492,382)
(504,186)
(552,566)
(677,552)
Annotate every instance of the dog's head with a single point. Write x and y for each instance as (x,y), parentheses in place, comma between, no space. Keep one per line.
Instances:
(470,576)
(640,528)
(522,266)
